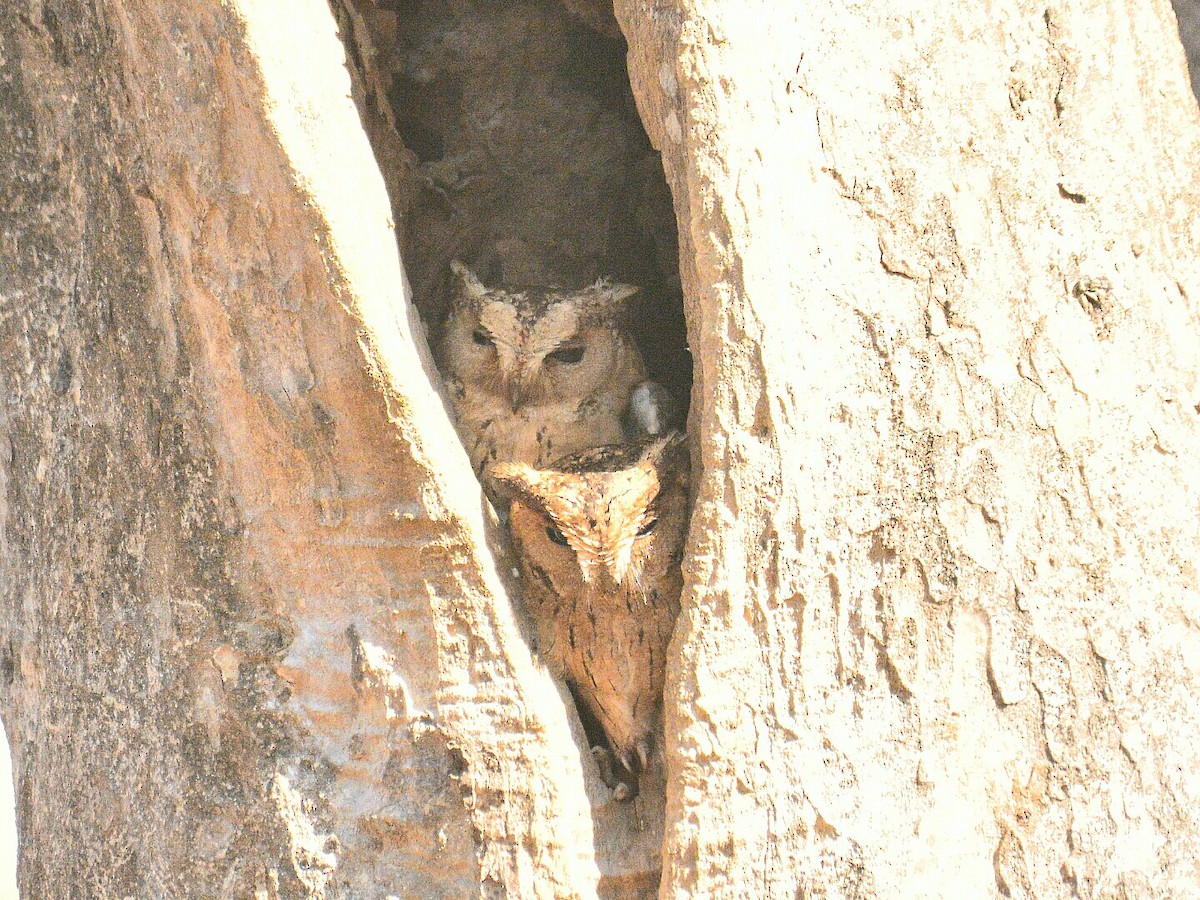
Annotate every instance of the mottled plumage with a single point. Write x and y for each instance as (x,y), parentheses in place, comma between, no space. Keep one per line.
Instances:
(537,373)
(599,537)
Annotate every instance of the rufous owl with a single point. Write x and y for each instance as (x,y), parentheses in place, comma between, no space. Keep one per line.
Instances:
(599,538)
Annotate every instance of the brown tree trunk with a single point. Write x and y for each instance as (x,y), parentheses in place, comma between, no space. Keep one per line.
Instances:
(255,641)
(941,615)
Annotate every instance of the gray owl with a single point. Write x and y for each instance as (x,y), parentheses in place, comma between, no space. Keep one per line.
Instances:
(537,373)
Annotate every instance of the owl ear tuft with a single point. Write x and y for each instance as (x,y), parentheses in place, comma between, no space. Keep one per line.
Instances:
(470,287)
(514,479)
(522,483)
(609,292)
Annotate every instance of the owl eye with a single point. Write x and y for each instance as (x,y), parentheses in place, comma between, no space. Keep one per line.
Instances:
(480,337)
(648,528)
(556,536)
(568,356)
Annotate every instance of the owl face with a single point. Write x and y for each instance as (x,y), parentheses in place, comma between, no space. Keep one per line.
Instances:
(536,345)
(599,538)
(607,521)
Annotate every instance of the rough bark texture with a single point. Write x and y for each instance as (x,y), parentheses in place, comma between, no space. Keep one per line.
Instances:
(941,625)
(254,641)
(529,162)
(941,632)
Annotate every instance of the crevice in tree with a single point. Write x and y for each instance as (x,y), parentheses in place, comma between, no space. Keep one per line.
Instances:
(510,141)
(526,159)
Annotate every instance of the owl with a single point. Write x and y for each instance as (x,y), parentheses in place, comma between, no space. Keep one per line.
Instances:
(535,374)
(599,538)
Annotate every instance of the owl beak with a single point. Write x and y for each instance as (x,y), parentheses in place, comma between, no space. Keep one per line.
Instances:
(603,574)
(602,577)
(610,580)
(518,391)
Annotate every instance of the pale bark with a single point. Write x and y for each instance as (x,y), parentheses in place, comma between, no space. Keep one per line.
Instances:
(254,638)
(940,629)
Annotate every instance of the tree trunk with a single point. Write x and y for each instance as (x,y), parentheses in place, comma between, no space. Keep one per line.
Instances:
(940,615)
(256,644)
(940,632)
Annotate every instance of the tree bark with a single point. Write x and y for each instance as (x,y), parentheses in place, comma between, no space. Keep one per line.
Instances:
(255,641)
(940,624)
(940,628)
